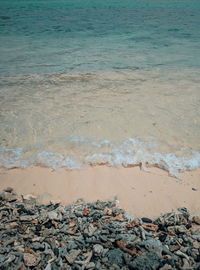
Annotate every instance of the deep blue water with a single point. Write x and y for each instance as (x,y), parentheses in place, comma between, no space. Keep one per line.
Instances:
(72,35)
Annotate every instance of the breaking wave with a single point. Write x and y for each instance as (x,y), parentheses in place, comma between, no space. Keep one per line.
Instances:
(130,152)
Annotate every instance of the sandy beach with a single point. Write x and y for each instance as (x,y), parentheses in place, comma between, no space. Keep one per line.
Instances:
(138,192)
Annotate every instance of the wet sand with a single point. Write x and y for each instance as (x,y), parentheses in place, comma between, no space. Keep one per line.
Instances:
(141,193)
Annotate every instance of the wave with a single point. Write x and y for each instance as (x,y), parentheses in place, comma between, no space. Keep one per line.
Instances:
(130,152)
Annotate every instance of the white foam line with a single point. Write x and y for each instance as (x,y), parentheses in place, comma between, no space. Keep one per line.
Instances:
(130,152)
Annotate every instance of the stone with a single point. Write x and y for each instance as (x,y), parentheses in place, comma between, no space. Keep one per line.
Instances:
(28,218)
(72,255)
(153,245)
(54,215)
(91,229)
(8,189)
(115,256)
(48,267)
(196,245)
(147,261)
(31,259)
(29,198)
(194,189)
(181,254)
(181,229)
(196,219)
(8,196)
(186,264)
(146,220)
(11,225)
(166,267)
(90,265)
(11,258)
(98,249)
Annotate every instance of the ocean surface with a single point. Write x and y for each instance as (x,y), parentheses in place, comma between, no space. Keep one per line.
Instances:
(113,82)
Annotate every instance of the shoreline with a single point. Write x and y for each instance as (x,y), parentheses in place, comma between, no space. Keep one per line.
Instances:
(139,192)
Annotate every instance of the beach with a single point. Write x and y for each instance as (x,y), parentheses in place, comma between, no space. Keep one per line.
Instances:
(140,193)
(99,134)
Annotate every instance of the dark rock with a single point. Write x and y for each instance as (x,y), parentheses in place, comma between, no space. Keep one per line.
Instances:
(146,220)
(115,256)
(149,261)
(8,189)
(153,245)
(194,189)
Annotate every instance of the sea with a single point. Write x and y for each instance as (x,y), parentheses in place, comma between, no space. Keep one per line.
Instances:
(100,82)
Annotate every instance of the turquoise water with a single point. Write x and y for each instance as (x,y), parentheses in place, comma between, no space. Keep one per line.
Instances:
(62,36)
(88,82)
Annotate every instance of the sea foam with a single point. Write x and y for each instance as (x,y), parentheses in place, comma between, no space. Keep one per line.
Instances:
(129,152)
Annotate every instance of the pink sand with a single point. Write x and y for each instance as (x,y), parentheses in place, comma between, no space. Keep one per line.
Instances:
(141,193)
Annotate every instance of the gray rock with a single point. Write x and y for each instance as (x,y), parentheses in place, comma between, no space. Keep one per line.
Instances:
(28,218)
(72,255)
(29,198)
(8,189)
(196,245)
(90,265)
(196,219)
(153,245)
(90,230)
(115,256)
(148,261)
(54,215)
(11,258)
(11,225)
(8,196)
(166,267)
(186,265)
(181,254)
(48,267)
(71,245)
(98,250)
(196,237)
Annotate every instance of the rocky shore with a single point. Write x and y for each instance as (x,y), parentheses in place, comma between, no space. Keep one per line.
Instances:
(95,235)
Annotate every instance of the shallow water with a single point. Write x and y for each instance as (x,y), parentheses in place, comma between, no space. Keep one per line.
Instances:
(86,82)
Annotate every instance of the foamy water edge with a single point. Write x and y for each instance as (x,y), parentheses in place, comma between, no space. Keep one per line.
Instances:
(130,152)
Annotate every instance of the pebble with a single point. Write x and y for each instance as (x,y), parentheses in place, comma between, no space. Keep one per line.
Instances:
(72,255)
(91,236)
(166,267)
(29,197)
(8,196)
(98,249)
(90,265)
(31,259)
(27,218)
(146,220)
(196,219)
(54,215)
